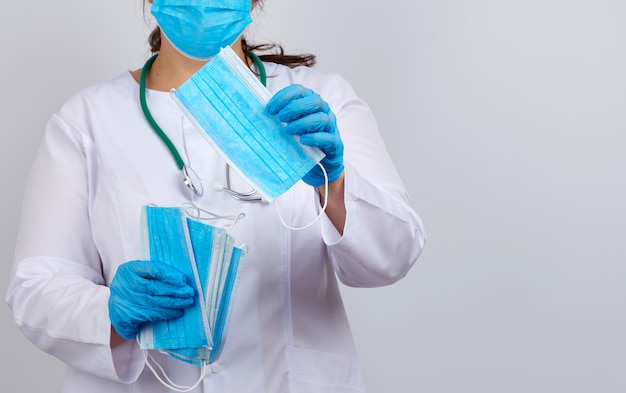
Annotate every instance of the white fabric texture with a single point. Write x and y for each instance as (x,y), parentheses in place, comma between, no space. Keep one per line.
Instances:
(100,162)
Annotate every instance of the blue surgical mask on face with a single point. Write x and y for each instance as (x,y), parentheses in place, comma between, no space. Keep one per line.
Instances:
(209,259)
(226,102)
(200,28)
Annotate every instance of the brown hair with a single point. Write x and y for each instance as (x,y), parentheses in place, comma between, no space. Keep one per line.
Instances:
(271,52)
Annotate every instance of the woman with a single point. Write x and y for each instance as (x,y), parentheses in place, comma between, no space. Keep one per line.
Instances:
(78,289)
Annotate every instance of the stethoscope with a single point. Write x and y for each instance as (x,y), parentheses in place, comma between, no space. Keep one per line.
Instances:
(190,179)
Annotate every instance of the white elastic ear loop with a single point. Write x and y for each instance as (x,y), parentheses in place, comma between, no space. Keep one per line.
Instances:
(321,212)
(170,384)
(195,212)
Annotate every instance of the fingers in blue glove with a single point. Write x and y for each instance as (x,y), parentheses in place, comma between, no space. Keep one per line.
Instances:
(310,117)
(314,123)
(128,320)
(143,291)
(155,270)
(295,102)
(324,141)
(156,278)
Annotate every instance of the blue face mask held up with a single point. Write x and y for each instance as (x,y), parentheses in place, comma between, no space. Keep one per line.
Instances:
(226,102)
(210,261)
(200,28)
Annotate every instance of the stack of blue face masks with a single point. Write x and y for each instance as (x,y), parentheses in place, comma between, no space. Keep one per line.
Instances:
(210,261)
(226,102)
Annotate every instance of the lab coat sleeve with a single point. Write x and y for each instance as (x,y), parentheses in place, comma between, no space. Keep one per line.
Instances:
(57,291)
(383,235)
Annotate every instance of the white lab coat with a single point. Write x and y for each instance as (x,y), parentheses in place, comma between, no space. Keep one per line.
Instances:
(100,162)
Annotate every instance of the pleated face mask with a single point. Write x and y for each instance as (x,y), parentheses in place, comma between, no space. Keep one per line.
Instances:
(207,256)
(226,102)
(200,28)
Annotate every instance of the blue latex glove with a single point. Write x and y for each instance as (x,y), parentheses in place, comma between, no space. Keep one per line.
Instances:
(309,116)
(144,291)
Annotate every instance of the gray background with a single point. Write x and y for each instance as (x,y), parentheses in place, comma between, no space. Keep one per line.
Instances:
(505,118)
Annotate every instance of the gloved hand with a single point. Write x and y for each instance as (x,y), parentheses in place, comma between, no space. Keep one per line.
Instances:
(309,116)
(144,291)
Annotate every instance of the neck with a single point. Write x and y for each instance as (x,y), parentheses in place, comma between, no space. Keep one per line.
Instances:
(171,69)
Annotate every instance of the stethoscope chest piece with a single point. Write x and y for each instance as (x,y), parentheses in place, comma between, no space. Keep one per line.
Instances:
(192,181)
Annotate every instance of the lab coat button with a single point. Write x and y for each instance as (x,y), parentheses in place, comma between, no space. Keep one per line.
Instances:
(216,368)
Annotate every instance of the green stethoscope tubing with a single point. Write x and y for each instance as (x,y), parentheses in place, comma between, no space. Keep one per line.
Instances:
(155,126)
